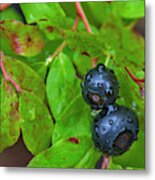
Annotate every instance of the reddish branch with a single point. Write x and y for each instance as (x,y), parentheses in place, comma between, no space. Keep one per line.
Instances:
(76,22)
(62,46)
(4,6)
(6,76)
(136,80)
(82,15)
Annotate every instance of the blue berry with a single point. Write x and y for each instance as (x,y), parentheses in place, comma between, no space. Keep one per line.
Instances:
(115,129)
(100,87)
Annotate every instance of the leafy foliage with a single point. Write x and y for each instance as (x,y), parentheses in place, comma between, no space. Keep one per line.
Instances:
(35,117)
(50,113)
(28,79)
(24,40)
(73,155)
(9,117)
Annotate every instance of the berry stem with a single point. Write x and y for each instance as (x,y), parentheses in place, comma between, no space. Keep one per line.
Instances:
(105,162)
(4,6)
(107,59)
(63,44)
(6,76)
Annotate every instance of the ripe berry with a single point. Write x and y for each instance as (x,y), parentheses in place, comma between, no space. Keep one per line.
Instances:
(115,129)
(100,87)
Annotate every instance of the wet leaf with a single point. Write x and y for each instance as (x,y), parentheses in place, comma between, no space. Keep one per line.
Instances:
(75,120)
(40,68)
(67,154)
(25,40)
(133,9)
(85,42)
(36,123)
(125,46)
(23,75)
(34,12)
(10,13)
(60,82)
(72,118)
(9,116)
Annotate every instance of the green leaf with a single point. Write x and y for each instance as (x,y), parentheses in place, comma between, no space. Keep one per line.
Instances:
(75,120)
(10,13)
(36,123)
(9,116)
(23,75)
(25,40)
(82,62)
(129,10)
(67,105)
(82,41)
(34,12)
(125,46)
(66,154)
(135,157)
(62,85)
(131,98)
(96,12)
(40,68)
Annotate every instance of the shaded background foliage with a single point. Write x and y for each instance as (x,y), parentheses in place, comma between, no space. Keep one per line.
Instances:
(117,41)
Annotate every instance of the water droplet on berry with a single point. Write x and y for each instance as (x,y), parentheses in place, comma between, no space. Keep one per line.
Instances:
(103,128)
(110,121)
(100,85)
(88,77)
(100,68)
(130,120)
(107,140)
(109,92)
(96,128)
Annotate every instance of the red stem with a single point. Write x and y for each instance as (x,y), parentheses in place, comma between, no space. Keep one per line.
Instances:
(136,80)
(105,162)
(94,61)
(76,22)
(81,14)
(4,6)
(6,76)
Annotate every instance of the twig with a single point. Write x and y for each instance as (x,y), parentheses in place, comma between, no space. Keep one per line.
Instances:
(62,46)
(4,6)
(81,14)
(6,76)
(57,51)
(136,80)
(75,23)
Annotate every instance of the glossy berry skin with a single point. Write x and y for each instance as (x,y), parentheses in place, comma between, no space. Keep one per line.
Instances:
(115,129)
(100,87)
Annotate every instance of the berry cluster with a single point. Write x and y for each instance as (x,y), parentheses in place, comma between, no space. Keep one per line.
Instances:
(116,127)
